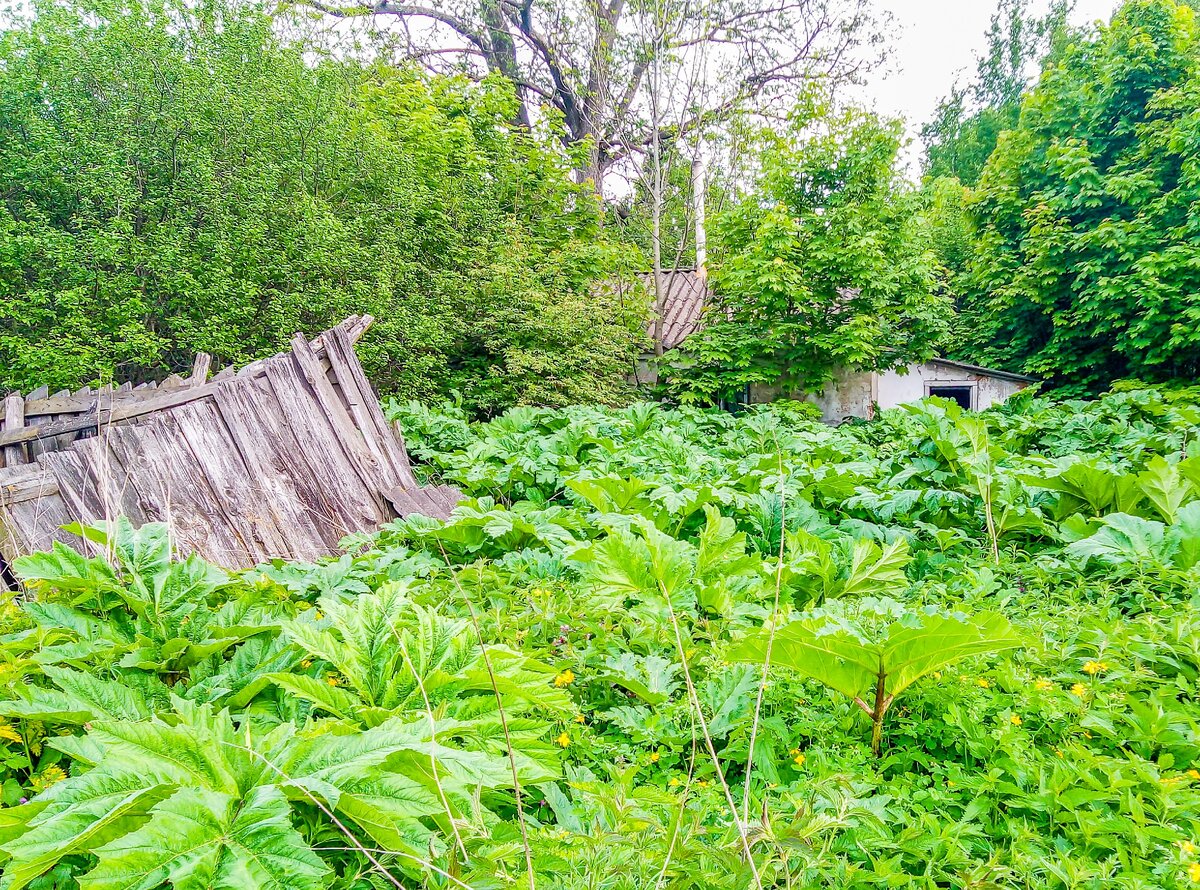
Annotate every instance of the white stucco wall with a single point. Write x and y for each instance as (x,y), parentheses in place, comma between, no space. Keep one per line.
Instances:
(852,393)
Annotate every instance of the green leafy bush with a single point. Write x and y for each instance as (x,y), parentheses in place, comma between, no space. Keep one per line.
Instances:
(567,684)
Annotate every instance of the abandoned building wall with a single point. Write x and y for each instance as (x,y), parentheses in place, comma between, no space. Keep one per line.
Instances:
(915,382)
(855,393)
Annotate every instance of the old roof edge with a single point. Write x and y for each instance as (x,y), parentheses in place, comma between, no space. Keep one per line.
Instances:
(989,372)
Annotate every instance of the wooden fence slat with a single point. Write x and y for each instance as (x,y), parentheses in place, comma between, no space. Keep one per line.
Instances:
(193,509)
(336,411)
(14,423)
(200,366)
(365,408)
(108,478)
(297,512)
(76,488)
(281,458)
(351,497)
(218,458)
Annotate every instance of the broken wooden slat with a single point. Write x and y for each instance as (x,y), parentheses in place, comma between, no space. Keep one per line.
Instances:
(297,512)
(14,422)
(251,516)
(365,408)
(345,491)
(200,366)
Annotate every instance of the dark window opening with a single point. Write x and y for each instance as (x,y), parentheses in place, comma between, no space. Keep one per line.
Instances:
(958,394)
(736,402)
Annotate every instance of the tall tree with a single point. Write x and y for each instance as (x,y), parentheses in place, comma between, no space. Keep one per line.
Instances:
(1087,263)
(586,62)
(967,124)
(173,178)
(825,263)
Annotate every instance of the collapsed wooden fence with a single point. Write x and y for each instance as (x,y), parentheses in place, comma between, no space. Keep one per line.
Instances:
(281,458)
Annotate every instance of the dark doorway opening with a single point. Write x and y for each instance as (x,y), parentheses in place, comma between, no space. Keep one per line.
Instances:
(959,394)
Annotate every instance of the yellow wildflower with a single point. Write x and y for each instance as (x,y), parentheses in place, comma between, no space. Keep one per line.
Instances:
(1194,872)
(703,783)
(1042,684)
(793,752)
(566,678)
(579,718)
(983,681)
(1094,667)
(799,760)
(7,732)
(564,741)
(51,775)
(673,782)
(1058,751)
(1015,719)
(1187,848)
(332,680)
(1079,689)
(306,664)
(654,757)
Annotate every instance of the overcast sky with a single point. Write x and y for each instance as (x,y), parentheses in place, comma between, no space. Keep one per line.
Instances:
(937,41)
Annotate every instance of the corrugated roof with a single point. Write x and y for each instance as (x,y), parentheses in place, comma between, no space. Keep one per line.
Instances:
(686,295)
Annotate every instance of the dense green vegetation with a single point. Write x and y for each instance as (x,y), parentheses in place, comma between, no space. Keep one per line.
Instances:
(1072,252)
(1085,266)
(174,178)
(178,178)
(1003,605)
(826,262)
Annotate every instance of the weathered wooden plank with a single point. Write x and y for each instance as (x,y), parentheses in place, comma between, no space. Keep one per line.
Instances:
(42,520)
(190,506)
(76,487)
(310,368)
(29,488)
(14,422)
(200,366)
(265,452)
(40,393)
(110,480)
(13,539)
(251,516)
(366,411)
(355,500)
(90,420)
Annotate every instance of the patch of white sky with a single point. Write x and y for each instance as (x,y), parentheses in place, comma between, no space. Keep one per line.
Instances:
(935,44)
